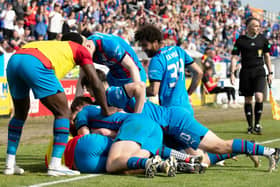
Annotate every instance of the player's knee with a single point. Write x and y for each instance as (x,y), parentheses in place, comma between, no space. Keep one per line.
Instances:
(63,113)
(110,167)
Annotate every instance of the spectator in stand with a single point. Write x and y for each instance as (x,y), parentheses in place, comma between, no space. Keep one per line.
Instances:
(41,23)
(212,86)
(208,58)
(20,7)
(19,27)
(31,16)
(219,23)
(27,35)
(72,22)
(8,16)
(16,41)
(55,22)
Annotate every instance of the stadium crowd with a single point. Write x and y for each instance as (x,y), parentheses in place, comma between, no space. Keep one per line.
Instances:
(192,24)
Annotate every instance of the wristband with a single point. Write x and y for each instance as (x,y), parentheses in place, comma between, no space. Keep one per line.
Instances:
(270,73)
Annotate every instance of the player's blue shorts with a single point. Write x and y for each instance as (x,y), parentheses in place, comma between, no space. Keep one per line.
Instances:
(25,72)
(143,131)
(184,129)
(91,153)
(113,81)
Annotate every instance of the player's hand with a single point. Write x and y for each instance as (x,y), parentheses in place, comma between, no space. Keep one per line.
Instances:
(269,79)
(232,79)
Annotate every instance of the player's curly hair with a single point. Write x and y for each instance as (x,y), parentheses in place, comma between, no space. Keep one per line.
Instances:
(72,36)
(149,33)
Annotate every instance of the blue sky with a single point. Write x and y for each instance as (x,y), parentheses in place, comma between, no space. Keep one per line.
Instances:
(270,5)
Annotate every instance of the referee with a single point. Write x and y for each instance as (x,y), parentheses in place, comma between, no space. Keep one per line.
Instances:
(254,49)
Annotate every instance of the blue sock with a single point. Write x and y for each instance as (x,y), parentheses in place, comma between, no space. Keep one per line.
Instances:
(61,133)
(14,134)
(136,163)
(214,158)
(247,147)
(164,152)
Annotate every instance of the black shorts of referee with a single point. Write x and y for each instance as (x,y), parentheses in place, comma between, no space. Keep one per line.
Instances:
(252,80)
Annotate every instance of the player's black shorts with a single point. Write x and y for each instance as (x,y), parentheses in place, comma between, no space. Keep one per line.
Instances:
(252,80)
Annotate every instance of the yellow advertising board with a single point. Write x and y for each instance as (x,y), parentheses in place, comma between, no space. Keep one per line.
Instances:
(5,98)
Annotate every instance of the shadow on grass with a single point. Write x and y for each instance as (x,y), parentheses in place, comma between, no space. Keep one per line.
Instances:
(29,163)
(230,132)
(238,168)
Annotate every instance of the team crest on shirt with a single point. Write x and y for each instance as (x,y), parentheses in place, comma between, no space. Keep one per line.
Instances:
(260,52)
(253,44)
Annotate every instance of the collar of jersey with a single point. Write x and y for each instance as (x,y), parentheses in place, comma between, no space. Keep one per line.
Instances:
(251,36)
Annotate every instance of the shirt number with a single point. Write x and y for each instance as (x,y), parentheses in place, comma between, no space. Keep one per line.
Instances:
(175,70)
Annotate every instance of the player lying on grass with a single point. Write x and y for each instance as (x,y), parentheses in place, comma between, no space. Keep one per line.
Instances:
(89,118)
(137,140)
(186,163)
(186,131)
(38,66)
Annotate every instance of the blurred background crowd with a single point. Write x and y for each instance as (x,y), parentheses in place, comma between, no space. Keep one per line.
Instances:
(208,27)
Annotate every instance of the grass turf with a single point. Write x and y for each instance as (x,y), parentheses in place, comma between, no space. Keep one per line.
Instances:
(31,152)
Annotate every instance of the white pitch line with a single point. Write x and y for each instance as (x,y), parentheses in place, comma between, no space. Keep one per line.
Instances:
(269,141)
(65,180)
(95,175)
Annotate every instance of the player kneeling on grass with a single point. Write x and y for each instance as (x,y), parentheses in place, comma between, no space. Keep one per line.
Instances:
(187,132)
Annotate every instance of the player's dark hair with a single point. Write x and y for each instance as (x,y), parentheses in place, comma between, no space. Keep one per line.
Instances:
(73,130)
(80,101)
(149,33)
(248,21)
(72,36)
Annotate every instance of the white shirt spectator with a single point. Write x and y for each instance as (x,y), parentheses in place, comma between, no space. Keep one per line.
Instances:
(56,22)
(20,30)
(8,17)
(237,21)
(218,5)
(209,33)
(229,21)
(191,47)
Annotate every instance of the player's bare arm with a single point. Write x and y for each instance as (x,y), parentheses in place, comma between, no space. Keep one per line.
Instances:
(128,63)
(83,130)
(234,60)
(97,87)
(153,89)
(197,76)
(136,90)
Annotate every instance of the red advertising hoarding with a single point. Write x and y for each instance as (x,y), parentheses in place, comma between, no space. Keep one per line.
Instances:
(38,109)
